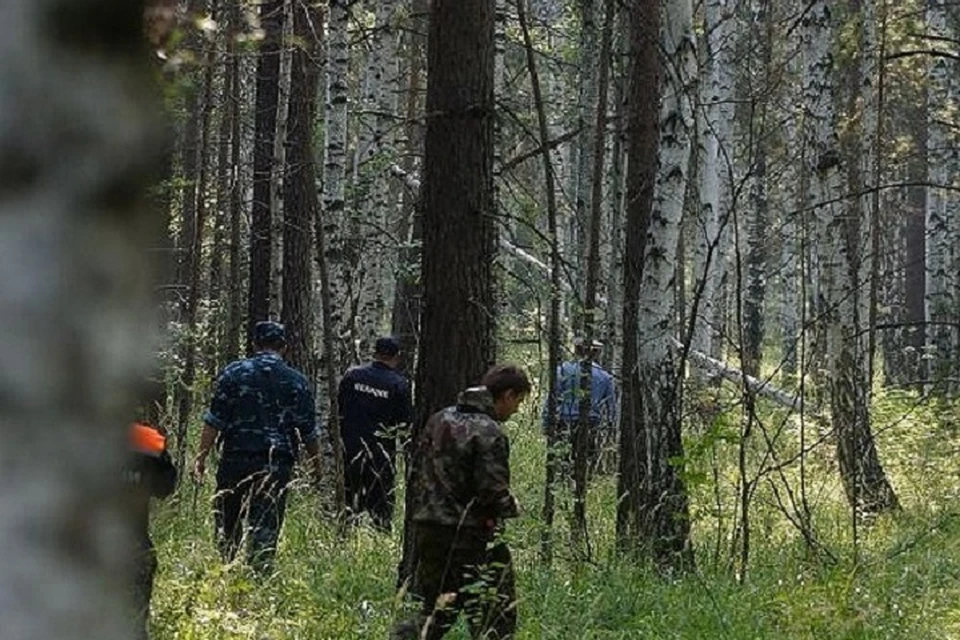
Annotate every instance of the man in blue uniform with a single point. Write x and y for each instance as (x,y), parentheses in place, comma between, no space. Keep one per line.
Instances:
(603,401)
(261,413)
(374,400)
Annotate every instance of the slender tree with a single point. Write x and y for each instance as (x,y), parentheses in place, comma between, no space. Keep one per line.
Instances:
(265,132)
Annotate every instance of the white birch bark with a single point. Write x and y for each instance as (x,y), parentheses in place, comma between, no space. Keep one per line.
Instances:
(940,210)
(837,223)
(657,326)
(334,169)
(715,176)
(587,122)
(76,142)
(374,151)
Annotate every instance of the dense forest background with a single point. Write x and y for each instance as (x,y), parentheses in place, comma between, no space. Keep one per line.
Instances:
(752,203)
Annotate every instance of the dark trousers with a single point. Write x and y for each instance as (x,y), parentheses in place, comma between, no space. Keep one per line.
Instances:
(251,498)
(145,566)
(461,570)
(369,482)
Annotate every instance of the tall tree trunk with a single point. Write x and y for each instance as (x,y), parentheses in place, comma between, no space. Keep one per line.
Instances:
(406,304)
(553,320)
(591,310)
(458,310)
(941,218)
(76,143)
(715,172)
(653,515)
(194,263)
(334,177)
(231,348)
(265,132)
(757,221)
(863,477)
(300,205)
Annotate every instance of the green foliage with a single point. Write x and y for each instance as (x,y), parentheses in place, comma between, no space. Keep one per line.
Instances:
(904,582)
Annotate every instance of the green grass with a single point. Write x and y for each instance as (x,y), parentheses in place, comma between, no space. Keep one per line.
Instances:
(906,583)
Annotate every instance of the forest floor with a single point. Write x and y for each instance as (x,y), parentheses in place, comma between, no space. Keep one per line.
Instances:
(902,580)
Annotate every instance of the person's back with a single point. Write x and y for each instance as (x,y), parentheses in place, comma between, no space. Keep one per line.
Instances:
(373,401)
(258,405)
(461,497)
(148,473)
(373,397)
(464,477)
(602,400)
(261,413)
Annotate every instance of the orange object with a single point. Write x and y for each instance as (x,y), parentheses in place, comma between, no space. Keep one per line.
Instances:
(146,439)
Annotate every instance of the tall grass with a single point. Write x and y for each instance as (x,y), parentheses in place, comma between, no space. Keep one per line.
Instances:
(904,584)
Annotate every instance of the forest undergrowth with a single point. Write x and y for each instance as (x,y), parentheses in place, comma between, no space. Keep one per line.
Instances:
(901,579)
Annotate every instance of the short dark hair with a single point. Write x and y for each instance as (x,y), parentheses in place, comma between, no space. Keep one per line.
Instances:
(386,346)
(506,377)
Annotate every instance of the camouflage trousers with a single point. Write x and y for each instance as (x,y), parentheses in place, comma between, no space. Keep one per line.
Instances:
(251,499)
(460,570)
(145,566)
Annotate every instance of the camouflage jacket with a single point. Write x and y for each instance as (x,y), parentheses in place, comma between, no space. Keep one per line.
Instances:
(463,466)
(262,405)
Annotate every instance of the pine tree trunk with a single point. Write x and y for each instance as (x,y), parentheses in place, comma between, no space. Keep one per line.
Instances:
(458,310)
(265,133)
(76,142)
(300,203)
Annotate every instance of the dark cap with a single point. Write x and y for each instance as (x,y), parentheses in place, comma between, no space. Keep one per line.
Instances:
(581,343)
(386,346)
(268,332)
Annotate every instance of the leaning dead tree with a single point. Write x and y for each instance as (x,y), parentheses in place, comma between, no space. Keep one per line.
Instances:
(74,140)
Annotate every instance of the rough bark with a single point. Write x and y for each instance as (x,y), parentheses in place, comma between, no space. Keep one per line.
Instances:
(300,204)
(265,132)
(459,237)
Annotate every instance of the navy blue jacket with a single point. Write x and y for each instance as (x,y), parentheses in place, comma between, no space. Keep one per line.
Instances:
(372,399)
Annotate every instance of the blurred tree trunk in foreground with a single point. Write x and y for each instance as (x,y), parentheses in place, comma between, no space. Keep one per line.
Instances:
(73,234)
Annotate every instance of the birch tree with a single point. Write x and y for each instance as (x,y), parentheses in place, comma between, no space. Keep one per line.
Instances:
(334,171)
(77,141)
(941,212)
(654,514)
(838,231)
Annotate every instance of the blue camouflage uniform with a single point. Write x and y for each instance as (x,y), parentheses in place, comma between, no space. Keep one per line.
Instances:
(264,412)
(374,399)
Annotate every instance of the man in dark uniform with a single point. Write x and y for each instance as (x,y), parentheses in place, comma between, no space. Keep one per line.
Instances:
(148,473)
(374,400)
(261,413)
(461,498)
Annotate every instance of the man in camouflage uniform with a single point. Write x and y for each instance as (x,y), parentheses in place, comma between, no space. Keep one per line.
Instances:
(461,498)
(261,413)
